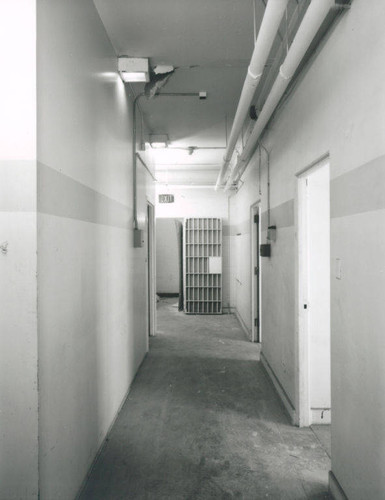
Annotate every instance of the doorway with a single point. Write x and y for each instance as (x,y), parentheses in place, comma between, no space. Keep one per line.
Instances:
(168,250)
(255,274)
(151,296)
(314,294)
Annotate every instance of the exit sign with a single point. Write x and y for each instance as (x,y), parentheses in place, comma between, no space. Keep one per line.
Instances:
(166,198)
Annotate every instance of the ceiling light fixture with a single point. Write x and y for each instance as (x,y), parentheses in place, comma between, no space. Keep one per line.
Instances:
(133,69)
(159,141)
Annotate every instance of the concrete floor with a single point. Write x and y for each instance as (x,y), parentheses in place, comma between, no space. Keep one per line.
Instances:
(323,433)
(202,421)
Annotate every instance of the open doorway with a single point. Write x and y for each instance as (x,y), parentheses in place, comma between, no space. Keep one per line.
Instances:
(314,294)
(255,274)
(169,276)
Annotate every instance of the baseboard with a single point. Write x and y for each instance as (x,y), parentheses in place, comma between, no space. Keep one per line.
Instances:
(335,488)
(321,416)
(289,407)
(242,323)
(97,455)
(166,294)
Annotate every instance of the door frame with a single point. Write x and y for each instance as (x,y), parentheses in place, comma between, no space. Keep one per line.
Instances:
(151,271)
(302,274)
(255,261)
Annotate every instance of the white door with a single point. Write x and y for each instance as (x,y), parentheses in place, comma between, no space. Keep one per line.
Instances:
(314,301)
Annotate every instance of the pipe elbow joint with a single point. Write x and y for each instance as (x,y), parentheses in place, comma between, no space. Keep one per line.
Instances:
(283,75)
(253,76)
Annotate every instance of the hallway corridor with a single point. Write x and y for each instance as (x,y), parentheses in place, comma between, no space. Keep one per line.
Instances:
(202,421)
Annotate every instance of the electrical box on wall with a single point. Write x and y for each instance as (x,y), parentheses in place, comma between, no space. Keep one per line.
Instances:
(138,238)
(265,250)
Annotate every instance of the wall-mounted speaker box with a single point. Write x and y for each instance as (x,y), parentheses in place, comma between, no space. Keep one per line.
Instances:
(138,238)
(265,250)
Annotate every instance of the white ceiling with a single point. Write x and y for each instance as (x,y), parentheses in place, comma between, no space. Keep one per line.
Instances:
(210,42)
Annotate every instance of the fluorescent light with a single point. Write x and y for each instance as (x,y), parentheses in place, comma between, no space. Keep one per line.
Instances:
(169,156)
(133,69)
(159,141)
(134,76)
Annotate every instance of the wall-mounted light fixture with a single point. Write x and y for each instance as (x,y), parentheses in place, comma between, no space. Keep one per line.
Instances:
(159,141)
(133,69)
(265,250)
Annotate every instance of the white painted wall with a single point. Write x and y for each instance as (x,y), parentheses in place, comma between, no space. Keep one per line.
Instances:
(337,107)
(192,202)
(18,315)
(200,202)
(240,251)
(91,281)
(167,257)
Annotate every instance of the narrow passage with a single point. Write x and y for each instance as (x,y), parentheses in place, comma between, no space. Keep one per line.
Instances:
(202,421)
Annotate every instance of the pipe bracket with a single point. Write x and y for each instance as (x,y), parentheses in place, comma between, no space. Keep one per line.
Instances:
(341,6)
(251,74)
(285,77)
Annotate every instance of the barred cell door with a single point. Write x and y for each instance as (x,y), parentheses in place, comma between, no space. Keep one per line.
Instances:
(202,261)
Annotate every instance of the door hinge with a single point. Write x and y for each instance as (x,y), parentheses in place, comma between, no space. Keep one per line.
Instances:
(256,322)
(256,218)
(256,271)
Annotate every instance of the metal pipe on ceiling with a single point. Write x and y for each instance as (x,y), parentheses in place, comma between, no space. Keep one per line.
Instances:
(270,24)
(312,21)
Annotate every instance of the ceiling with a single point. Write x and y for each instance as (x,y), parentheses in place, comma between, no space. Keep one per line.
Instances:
(210,43)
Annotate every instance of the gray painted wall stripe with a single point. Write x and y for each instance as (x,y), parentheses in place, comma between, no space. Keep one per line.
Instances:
(281,216)
(18,185)
(357,191)
(242,228)
(225,229)
(63,196)
(360,190)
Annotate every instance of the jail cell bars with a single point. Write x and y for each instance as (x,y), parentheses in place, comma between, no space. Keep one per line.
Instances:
(202,266)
